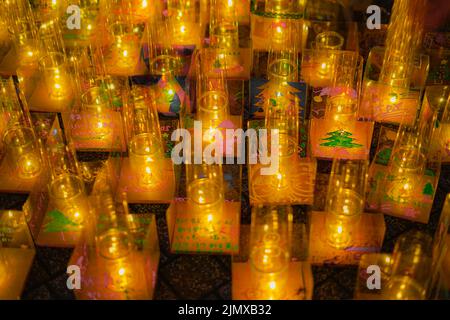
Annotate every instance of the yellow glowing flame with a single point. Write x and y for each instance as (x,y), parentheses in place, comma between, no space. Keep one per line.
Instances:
(272,285)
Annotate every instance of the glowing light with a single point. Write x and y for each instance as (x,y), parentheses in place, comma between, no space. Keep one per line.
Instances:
(121,271)
(272,285)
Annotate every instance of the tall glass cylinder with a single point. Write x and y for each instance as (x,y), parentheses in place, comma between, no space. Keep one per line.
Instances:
(146,150)
(126,46)
(403,39)
(56,75)
(345,201)
(411,270)
(96,107)
(406,165)
(22,152)
(205,194)
(50,36)
(68,196)
(224,25)
(270,252)
(26,42)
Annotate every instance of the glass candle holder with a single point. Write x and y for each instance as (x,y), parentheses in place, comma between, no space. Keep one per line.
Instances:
(406,165)
(205,194)
(143,116)
(26,42)
(115,246)
(182,18)
(212,95)
(345,201)
(95,104)
(68,196)
(271,226)
(403,39)
(384,262)
(212,110)
(280,6)
(50,37)
(224,25)
(282,105)
(326,43)
(3,268)
(22,152)
(146,155)
(56,76)
(411,270)
(126,46)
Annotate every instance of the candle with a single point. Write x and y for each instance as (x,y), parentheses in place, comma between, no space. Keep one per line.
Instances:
(126,47)
(269,265)
(224,26)
(412,264)
(115,246)
(326,42)
(205,193)
(22,152)
(96,107)
(56,75)
(26,43)
(146,156)
(182,16)
(406,166)
(67,195)
(342,218)
(345,201)
(212,109)
(342,109)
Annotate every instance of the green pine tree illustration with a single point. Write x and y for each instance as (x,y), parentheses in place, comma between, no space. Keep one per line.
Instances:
(428,189)
(340,138)
(59,223)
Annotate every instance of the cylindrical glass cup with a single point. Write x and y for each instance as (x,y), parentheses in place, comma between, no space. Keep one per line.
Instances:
(374,260)
(56,75)
(406,165)
(26,43)
(95,103)
(205,193)
(126,46)
(269,268)
(146,155)
(411,270)
(22,152)
(345,200)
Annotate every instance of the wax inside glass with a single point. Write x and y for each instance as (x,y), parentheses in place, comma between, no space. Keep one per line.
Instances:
(56,75)
(146,159)
(115,246)
(22,152)
(95,103)
(212,109)
(405,173)
(26,43)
